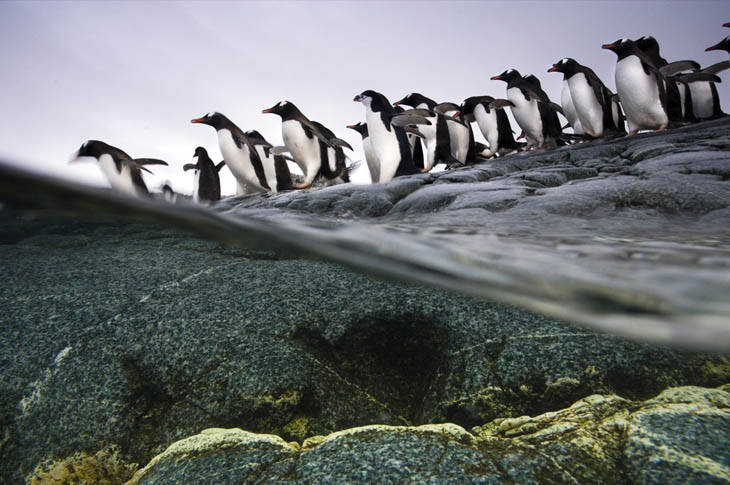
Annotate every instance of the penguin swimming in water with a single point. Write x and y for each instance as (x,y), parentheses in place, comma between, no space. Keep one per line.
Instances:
(492,121)
(591,99)
(314,151)
(390,143)
(370,158)
(207,183)
(123,172)
(239,152)
(640,88)
(532,109)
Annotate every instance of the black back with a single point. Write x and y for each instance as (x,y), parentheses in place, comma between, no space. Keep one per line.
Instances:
(209,184)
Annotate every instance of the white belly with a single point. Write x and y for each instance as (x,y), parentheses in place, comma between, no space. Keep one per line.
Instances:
(587,107)
(303,149)
(459,135)
(527,116)
(121,181)
(487,123)
(196,185)
(639,95)
(371,160)
(701,99)
(385,146)
(566,101)
(238,160)
(269,168)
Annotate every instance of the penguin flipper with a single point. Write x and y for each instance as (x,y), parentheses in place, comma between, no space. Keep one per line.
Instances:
(149,161)
(220,165)
(718,67)
(694,77)
(339,142)
(413,131)
(443,108)
(678,66)
(136,167)
(402,120)
(278,150)
(190,166)
(501,103)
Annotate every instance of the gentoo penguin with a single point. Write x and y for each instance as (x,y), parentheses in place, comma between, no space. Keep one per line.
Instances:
(640,88)
(460,136)
(492,121)
(239,153)
(591,99)
(307,144)
(123,172)
(723,45)
(415,141)
(390,143)
(277,171)
(207,181)
(531,109)
(367,147)
(431,127)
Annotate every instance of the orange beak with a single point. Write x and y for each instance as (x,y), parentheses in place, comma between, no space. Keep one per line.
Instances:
(352,127)
(496,78)
(553,69)
(268,110)
(608,46)
(198,120)
(356,98)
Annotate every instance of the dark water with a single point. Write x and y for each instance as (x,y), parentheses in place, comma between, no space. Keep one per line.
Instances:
(643,281)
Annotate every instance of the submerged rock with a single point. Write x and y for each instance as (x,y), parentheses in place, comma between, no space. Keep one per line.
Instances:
(136,337)
(599,439)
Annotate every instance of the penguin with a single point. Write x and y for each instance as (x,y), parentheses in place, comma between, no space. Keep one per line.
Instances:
(432,127)
(591,99)
(276,169)
(640,88)
(416,145)
(207,182)
(566,101)
(460,136)
(123,172)
(308,145)
(334,168)
(678,104)
(390,143)
(370,159)
(531,109)
(492,121)
(723,45)
(239,152)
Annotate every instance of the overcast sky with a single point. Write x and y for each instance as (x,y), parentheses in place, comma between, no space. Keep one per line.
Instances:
(133,74)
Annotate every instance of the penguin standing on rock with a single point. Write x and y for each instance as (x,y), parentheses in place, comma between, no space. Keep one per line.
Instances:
(531,108)
(367,147)
(314,151)
(590,98)
(492,121)
(239,152)
(640,88)
(123,172)
(390,143)
(207,183)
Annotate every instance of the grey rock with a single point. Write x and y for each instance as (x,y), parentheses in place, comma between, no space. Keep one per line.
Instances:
(599,439)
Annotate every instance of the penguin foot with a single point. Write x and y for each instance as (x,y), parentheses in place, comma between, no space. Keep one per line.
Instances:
(632,133)
(301,186)
(662,128)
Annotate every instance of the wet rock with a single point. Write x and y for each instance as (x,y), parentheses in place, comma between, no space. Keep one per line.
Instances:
(599,439)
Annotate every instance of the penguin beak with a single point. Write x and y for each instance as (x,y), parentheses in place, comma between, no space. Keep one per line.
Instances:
(496,78)
(398,102)
(522,135)
(553,69)
(269,110)
(199,120)
(715,47)
(608,46)
(456,114)
(726,24)
(357,98)
(352,127)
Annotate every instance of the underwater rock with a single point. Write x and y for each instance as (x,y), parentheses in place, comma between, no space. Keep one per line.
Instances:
(599,439)
(136,337)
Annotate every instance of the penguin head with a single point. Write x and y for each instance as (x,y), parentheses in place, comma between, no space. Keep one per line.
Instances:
(366,96)
(361,128)
(620,46)
(416,99)
(214,119)
(283,108)
(507,76)
(567,66)
(723,45)
(91,148)
(648,44)
(200,152)
(469,105)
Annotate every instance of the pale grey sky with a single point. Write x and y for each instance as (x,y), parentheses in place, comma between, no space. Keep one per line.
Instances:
(134,74)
